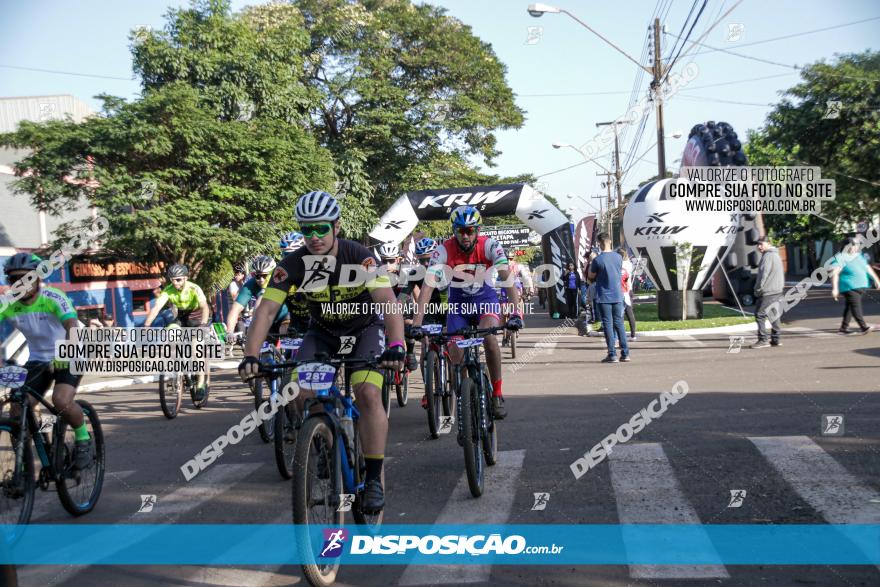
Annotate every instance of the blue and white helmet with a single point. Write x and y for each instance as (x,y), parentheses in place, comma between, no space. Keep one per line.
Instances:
(291,242)
(317,207)
(466,216)
(425,246)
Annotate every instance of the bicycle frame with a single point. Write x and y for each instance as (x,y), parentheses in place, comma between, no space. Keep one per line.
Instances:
(28,425)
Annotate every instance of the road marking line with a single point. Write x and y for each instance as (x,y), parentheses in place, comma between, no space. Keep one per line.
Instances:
(461,508)
(47,505)
(688,340)
(647,492)
(809,332)
(820,480)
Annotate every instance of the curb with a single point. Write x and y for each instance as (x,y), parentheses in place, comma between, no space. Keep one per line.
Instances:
(735,328)
(117,383)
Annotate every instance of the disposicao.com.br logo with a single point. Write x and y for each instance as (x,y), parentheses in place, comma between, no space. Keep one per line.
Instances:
(475,545)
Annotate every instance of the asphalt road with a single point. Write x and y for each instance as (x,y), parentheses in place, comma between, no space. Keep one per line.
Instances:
(751,421)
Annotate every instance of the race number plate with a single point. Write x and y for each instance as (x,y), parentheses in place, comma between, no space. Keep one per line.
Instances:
(13,376)
(316,376)
(467,342)
(291,344)
(432,328)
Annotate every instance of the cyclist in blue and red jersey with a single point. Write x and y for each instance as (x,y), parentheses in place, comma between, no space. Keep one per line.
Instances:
(472,297)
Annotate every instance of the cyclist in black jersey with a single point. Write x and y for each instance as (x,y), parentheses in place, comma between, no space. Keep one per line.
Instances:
(340,308)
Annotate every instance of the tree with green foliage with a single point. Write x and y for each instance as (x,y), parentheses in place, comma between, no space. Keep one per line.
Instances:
(177,182)
(804,130)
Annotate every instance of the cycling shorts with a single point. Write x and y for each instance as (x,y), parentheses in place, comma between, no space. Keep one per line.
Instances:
(369,343)
(470,310)
(41,376)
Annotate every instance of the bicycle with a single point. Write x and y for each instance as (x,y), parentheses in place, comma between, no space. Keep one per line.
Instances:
(477,430)
(282,427)
(400,382)
(78,489)
(173,385)
(435,374)
(329,463)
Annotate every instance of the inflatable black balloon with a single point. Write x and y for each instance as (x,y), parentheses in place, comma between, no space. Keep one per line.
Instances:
(716,144)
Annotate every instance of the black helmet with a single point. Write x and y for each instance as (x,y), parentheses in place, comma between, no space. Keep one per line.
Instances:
(22,262)
(177,270)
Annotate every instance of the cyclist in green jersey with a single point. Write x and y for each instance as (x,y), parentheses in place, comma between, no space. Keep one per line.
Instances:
(45,315)
(191,303)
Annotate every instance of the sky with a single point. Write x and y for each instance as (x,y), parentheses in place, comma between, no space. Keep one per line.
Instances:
(566,79)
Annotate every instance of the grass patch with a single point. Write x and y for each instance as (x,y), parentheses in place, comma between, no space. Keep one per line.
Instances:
(714,315)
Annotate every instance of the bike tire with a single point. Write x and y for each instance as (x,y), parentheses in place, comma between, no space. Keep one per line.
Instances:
(401,387)
(258,388)
(432,381)
(9,503)
(370,522)
(513,337)
(170,395)
(78,499)
(322,575)
(446,387)
(490,435)
(473,458)
(201,403)
(387,382)
(286,421)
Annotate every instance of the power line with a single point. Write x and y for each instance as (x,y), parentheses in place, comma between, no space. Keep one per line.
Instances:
(730,83)
(126,79)
(714,99)
(786,65)
(793,35)
(677,55)
(561,170)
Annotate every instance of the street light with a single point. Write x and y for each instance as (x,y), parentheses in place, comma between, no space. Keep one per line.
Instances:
(538,10)
(558,145)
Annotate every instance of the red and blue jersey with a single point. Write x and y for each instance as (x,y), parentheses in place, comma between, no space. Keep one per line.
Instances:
(477,263)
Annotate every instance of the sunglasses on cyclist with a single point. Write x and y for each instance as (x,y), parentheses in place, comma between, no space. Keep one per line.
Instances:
(319,230)
(425,262)
(178,279)
(261,275)
(467,230)
(15,278)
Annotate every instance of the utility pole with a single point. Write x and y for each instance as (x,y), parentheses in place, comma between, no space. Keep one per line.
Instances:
(618,174)
(600,197)
(658,100)
(610,222)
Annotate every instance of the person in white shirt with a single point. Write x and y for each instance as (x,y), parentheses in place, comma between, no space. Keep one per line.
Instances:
(627,286)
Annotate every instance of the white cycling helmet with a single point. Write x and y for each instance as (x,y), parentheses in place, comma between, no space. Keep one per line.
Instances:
(389,251)
(317,207)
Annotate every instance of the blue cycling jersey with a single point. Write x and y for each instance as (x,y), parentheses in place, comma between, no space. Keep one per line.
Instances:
(251,291)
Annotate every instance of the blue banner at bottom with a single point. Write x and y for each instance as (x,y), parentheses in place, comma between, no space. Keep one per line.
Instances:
(524,544)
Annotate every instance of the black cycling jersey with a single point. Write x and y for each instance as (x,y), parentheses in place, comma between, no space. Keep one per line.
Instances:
(339,309)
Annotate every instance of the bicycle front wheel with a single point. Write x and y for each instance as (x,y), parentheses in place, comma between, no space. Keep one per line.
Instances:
(260,390)
(401,386)
(286,421)
(16,494)
(489,433)
(513,337)
(433,392)
(79,489)
(470,424)
(317,483)
(387,382)
(170,394)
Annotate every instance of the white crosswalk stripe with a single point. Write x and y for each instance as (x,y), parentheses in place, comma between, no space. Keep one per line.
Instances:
(201,490)
(820,480)
(647,492)
(809,332)
(47,507)
(461,508)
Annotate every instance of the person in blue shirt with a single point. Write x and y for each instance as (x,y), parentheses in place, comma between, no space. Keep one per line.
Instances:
(252,290)
(572,284)
(605,271)
(850,277)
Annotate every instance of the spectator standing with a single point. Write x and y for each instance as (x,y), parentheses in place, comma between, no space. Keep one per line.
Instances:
(851,278)
(626,284)
(768,289)
(605,270)
(572,284)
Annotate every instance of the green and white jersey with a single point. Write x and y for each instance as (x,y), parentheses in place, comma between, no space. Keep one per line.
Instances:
(187,299)
(41,322)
